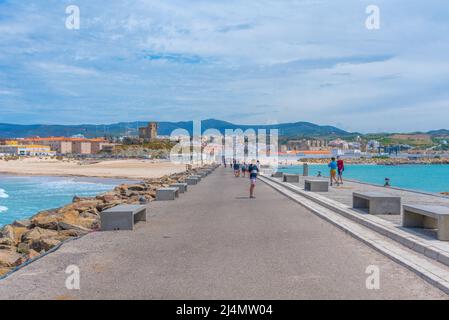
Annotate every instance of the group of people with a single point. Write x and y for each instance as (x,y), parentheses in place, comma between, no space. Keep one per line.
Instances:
(337,167)
(244,169)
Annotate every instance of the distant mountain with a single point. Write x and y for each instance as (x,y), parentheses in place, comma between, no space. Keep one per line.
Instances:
(297,129)
(441,132)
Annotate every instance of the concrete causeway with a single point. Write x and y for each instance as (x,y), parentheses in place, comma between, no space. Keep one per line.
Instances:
(215,243)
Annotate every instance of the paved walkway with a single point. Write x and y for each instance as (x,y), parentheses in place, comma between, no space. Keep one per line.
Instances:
(215,243)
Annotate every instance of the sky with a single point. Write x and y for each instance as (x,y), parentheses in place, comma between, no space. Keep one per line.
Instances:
(248,62)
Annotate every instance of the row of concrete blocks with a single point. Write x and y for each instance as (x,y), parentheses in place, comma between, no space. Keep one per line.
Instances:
(123,217)
(380,203)
(171,193)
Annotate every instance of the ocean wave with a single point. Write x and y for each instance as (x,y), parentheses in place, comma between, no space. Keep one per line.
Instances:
(3,209)
(3,194)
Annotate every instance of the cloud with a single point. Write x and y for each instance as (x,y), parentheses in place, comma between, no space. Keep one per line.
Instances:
(175,60)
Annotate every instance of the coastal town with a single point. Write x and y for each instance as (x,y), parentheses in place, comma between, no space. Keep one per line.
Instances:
(147,143)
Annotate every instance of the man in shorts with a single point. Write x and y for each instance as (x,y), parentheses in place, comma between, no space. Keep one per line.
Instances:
(333,171)
(253,170)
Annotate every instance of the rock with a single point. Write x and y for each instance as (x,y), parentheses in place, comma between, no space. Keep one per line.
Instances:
(136,187)
(9,258)
(23,248)
(78,199)
(4,271)
(107,197)
(8,232)
(89,215)
(81,206)
(28,256)
(33,254)
(45,221)
(6,242)
(72,233)
(37,234)
(110,205)
(26,223)
(79,230)
(13,233)
(45,244)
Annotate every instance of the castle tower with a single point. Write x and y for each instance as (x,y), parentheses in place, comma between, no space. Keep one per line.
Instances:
(149,132)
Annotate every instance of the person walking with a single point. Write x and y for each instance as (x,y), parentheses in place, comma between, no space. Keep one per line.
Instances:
(236,169)
(341,169)
(253,170)
(244,170)
(333,171)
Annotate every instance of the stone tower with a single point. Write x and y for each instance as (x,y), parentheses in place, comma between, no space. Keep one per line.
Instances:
(149,132)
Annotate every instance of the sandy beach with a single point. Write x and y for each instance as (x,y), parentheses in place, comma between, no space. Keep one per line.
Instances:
(126,169)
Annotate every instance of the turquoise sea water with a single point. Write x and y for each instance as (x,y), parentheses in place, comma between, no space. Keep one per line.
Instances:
(429,178)
(24,196)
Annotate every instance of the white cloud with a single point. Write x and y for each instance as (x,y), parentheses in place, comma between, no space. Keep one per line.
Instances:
(178,59)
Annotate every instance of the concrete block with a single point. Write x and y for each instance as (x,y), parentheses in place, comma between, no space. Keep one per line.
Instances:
(166,194)
(191,181)
(198,177)
(291,178)
(316,185)
(277,174)
(427,216)
(122,217)
(181,186)
(377,202)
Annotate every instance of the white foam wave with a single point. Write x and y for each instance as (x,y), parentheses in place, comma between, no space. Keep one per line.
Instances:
(3,194)
(3,209)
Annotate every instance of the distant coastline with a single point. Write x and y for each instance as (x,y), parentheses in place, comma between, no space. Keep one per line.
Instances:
(382,161)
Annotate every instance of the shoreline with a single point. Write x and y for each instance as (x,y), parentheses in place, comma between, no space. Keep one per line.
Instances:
(7,173)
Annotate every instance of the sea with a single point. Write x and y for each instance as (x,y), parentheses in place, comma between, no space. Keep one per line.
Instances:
(427,178)
(23,196)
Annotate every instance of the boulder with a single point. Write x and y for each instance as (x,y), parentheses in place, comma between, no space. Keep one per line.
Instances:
(37,234)
(72,233)
(7,232)
(136,187)
(110,205)
(45,244)
(4,271)
(46,221)
(75,229)
(30,255)
(23,248)
(6,242)
(107,197)
(9,258)
(78,199)
(81,206)
(13,233)
(26,223)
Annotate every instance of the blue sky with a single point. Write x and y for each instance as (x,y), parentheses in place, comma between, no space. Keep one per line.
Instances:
(265,61)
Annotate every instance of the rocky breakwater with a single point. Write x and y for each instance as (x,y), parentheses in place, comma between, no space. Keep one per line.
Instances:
(27,239)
